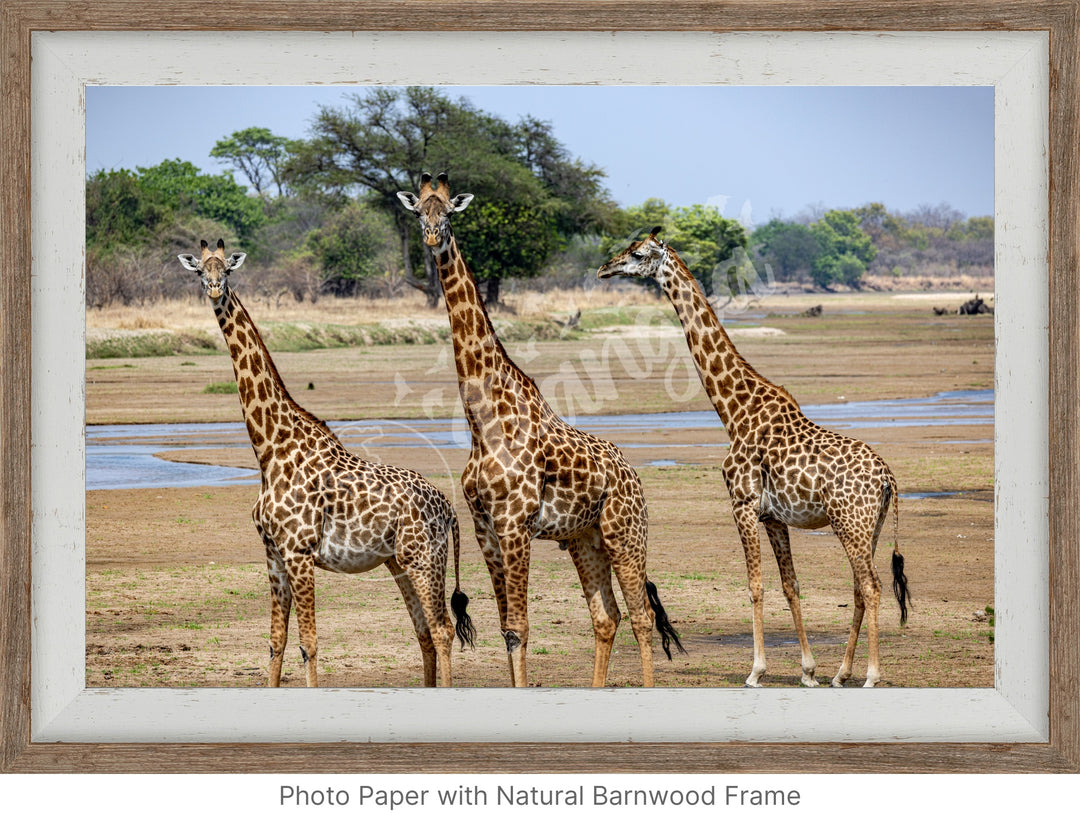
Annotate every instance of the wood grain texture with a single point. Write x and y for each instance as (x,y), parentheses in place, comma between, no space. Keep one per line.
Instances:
(1065,386)
(18,18)
(526,15)
(544,758)
(14,387)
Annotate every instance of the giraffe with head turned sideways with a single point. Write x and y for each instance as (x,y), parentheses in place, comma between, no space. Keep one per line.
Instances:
(781,469)
(322,507)
(530,475)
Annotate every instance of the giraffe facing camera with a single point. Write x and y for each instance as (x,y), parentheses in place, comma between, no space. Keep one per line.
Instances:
(530,475)
(320,506)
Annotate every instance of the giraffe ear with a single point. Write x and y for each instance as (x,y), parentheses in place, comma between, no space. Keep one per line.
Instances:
(409,200)
(234,261)
(189,261)
(460,202)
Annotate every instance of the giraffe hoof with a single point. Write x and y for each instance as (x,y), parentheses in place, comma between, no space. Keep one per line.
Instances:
(810,681)
(838,682)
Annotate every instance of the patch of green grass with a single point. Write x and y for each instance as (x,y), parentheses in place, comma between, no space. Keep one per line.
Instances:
(697,576)
(156,343)
(220,388)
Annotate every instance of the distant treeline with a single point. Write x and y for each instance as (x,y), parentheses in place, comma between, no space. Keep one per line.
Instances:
(320,216)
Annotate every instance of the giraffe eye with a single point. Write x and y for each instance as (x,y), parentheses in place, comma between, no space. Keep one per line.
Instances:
(637,257)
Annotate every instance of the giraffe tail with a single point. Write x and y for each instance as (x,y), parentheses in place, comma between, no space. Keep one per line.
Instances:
(463,624)
(663,624)
(899,584)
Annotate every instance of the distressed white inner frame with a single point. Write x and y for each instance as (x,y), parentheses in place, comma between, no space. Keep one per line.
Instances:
(1015,709)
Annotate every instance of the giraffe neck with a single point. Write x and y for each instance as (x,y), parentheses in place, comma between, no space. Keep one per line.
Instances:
(726,376)
(484,368)
(269,410)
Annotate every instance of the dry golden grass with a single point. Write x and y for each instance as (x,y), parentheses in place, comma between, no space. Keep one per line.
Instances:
(193,312)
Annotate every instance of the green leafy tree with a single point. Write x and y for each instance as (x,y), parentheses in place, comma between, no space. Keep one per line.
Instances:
(502,240)
(121,211)
(703,238)
(258,154)
(711,241)
(845,249)
(789,248)
(185,188)
(353,249)
(385,139)
(978,228)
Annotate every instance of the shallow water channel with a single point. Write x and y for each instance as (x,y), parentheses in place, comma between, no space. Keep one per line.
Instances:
(122,456)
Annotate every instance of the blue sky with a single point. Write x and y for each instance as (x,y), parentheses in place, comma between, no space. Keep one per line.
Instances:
(756,152)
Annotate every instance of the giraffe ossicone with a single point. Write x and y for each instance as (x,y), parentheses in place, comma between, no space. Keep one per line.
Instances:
(530,475)
(320,506)
(781,469)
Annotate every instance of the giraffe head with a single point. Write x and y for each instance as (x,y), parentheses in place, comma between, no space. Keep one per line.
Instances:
(640,260)
(213,267)
(433,208)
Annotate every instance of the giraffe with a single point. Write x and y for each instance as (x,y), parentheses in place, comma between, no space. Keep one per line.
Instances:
(320,506)
(531,475)
(781,469)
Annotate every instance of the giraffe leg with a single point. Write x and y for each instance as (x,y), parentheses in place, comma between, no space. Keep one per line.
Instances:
(415,605)
(746,520)
(301,569)
(631,577)
(594,572)
(860,551)
(871,589)
(625,542)
(489,548)
(853,639)
(781,544)
(515,546)
(280,607)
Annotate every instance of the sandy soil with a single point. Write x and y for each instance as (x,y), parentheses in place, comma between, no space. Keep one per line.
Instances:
(176,584)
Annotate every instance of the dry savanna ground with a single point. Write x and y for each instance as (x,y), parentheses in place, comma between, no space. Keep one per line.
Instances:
(176,584)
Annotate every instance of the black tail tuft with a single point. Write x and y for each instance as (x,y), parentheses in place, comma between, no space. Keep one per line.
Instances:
(463,625)
(663,625)
(899,585)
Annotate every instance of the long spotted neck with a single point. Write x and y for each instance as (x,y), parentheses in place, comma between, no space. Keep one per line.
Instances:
(269,412)
(726,376)
(484,368)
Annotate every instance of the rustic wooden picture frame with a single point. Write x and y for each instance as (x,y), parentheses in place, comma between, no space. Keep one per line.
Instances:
(20,18)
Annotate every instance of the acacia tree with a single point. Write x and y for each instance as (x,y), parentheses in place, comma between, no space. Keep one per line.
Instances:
(258,154)
(386,138)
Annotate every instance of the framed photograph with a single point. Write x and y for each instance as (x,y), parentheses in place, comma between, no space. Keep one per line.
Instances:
(1026,51)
